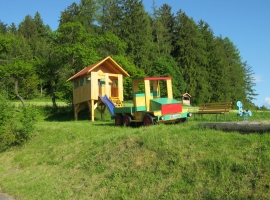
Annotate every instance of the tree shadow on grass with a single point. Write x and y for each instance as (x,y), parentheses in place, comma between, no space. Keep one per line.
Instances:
(107,123)
(66,113)
(62,114)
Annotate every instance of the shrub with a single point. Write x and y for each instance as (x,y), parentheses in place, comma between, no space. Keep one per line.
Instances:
(16,124)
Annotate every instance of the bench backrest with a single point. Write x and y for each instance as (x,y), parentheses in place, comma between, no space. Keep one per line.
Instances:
(217,106)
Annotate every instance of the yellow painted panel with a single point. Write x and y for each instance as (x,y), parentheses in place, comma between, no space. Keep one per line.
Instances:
(140,101)
(169,88)
(156,88)
(94,85)
(135,88)
(156,113)
(147,94)
(120,87)
(107,85)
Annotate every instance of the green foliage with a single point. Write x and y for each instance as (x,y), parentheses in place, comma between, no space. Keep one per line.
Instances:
(133,71)
(191,57)
(16,124)
(163,24)
(40,60)
(110,44)
(166,66)
(3,27)
(136,32)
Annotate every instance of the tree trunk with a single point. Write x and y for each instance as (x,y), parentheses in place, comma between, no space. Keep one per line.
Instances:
(41,90)
(53,95)
(16,91)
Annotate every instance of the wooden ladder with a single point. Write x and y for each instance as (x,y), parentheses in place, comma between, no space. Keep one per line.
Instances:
(116,101)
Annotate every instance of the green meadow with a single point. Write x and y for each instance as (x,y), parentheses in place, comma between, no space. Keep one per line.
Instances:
(67,159)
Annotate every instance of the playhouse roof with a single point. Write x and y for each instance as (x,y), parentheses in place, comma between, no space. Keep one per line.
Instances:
(186,94)
(108,62)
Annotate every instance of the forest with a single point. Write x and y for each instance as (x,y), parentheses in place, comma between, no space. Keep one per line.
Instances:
(36,61)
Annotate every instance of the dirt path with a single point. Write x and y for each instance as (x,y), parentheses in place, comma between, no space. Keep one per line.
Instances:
(5,197)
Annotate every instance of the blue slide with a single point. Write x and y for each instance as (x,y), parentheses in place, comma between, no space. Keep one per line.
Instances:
(108,103)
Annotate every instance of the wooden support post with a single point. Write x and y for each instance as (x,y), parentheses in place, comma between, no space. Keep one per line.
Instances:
(77,108)
(101,110)
(89,106)
(75,112)
(92,110)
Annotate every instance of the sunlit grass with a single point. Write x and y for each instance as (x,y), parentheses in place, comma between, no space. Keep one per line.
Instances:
(67,159)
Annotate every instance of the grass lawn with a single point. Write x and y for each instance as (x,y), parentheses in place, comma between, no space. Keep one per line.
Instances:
(67,159)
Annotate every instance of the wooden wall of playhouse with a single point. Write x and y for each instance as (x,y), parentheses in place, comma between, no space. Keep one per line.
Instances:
(90,86)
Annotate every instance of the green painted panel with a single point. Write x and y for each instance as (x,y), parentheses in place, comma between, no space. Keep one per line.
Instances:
(124,110)
(184,114)
(171,117)
(165,101)
(155,93)
(155,106)
(139,94)
(175,116)
(142,94)
(102,82)
(141,108)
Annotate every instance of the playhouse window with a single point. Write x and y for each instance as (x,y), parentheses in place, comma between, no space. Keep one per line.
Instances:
(101,82)
(81,81)
(75,84)
(88,80)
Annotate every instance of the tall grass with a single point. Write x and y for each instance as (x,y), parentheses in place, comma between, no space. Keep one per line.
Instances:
(69,159)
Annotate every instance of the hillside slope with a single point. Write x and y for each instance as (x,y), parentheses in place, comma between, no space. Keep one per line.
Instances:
(84,160)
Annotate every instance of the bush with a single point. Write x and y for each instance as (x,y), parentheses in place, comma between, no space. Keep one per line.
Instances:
(16,124)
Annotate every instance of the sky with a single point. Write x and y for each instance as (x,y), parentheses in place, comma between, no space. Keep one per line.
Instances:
(245,22)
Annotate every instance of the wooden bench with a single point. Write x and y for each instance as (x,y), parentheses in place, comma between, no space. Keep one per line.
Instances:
(214,108)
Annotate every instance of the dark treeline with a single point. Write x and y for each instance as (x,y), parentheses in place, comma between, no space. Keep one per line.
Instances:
(36,61)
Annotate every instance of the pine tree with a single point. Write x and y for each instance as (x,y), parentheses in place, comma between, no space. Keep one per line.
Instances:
(3,27)
(88,14)
(110,16)
(250,84)
(163,23)
(189,52)
(41,28)
(70,14)
(136,33)
(28,29)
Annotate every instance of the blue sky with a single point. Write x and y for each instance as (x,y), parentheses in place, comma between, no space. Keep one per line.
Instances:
(245,22)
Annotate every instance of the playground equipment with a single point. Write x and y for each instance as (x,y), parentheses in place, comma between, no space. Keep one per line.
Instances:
(148,106)
(241,112)
(95,84)
(100,85)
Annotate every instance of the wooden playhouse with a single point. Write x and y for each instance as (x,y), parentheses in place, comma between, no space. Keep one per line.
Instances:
(93,83)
